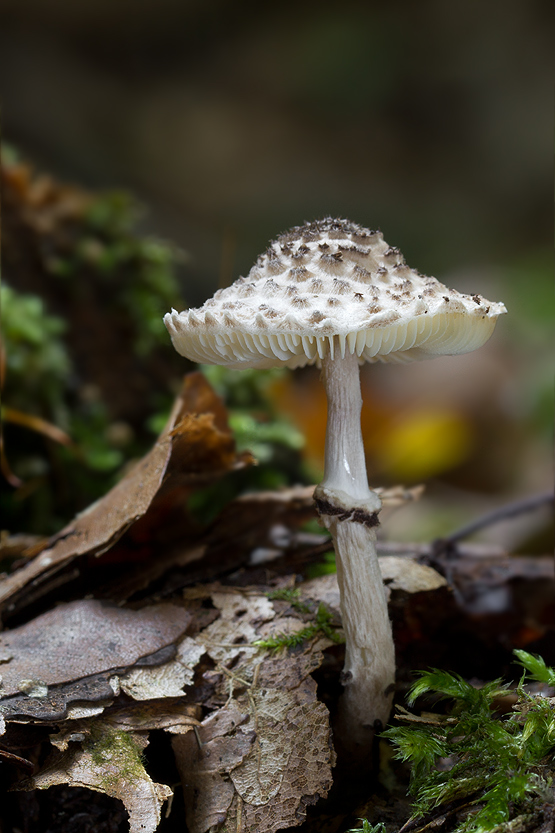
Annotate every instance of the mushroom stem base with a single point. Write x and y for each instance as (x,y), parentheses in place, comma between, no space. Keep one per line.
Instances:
(369,671)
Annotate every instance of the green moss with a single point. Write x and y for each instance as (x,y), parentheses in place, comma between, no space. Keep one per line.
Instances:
(117,754)
(322,625)
(497,766)
(291,595)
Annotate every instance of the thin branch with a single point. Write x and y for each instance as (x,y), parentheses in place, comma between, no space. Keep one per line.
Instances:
(510,510)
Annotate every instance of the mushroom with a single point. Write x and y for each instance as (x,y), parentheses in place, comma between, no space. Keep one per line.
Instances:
(333,293)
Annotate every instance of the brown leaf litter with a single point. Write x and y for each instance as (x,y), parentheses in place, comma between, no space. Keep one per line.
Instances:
(199,446)
(264,752)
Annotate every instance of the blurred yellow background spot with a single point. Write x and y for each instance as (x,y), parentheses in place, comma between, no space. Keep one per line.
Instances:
(424,443)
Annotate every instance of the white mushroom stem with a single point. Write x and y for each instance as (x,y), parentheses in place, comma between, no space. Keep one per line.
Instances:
(348,508)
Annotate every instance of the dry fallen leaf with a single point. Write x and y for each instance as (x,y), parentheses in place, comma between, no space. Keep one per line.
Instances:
(195,446)
(265,755)
(167,680)
(86,637)
(205,759)
(108,761)
(406,574)
(64,656)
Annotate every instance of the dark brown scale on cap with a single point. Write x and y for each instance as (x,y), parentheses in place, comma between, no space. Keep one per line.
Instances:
(334,302)
(309,235)
(267,311)
(316,317)
(276,267)
(301,301)
(373,308)
(342,287)
(300,253)
(353,251)
(366,238)
(331,227)
(316,285)
(358,296)
(299,273)
(323,246)
(245,290)
(291,290)
(360,272)
(271,287)
(330,257)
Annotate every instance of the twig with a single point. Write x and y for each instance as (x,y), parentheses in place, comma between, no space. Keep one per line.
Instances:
(444,551)
(510,510)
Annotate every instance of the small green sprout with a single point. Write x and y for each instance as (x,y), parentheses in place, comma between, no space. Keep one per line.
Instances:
(322,624)
(291,595)
(368,828)
(495,766)
(536,667)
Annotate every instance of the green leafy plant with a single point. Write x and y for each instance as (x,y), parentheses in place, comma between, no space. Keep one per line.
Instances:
(323,623)
(493,766)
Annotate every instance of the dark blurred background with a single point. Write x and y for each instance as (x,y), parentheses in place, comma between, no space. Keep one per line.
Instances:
(234,121)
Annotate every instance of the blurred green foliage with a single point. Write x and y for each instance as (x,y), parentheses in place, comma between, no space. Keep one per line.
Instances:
(272,439)
(37,364)
(45,379)
(325,567)
(40,382)
(136,276)
(532,328)
(110,246)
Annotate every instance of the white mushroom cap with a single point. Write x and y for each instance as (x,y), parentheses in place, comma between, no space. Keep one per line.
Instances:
(331,285)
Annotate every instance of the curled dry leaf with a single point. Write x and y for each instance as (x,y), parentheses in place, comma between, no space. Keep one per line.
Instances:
(173,716)
(108,761)
(167,680)
(406,574)
(195,446)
